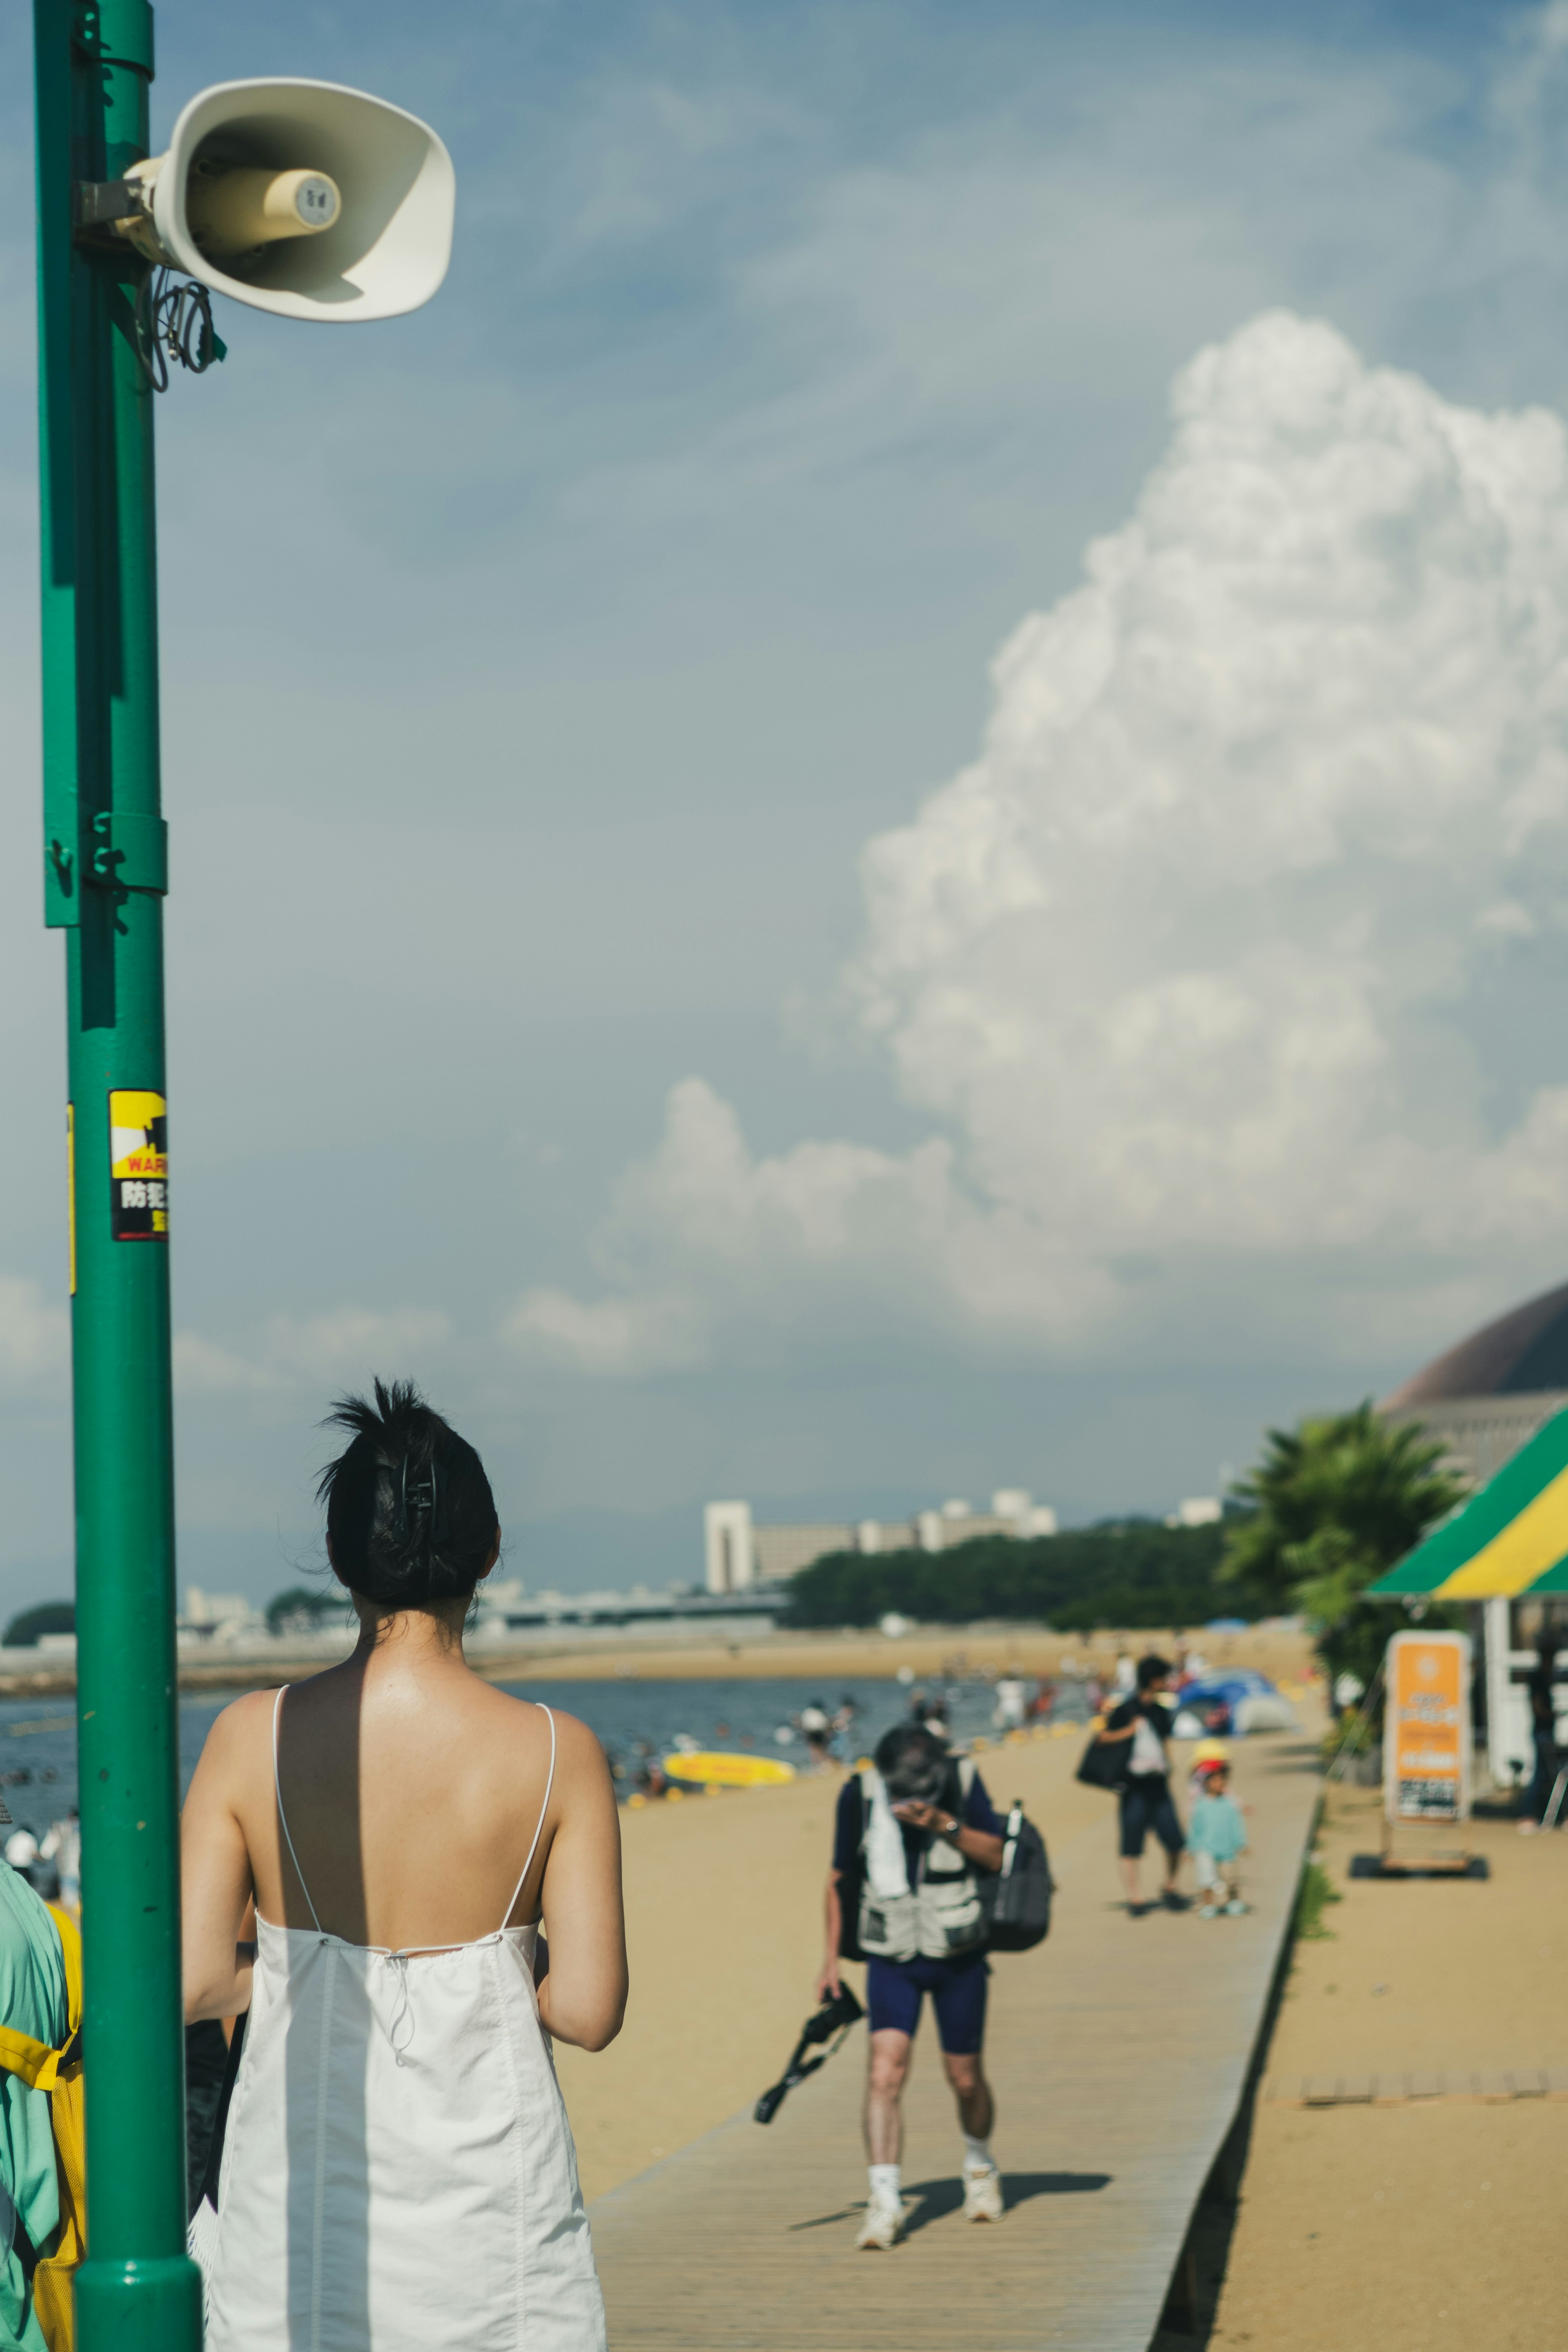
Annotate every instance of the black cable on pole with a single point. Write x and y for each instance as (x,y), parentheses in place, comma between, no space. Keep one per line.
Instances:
(174,321)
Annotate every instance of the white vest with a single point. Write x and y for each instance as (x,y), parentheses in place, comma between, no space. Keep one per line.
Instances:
(941,1914)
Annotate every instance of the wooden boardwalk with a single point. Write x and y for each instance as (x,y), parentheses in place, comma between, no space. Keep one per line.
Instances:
(1118,2052)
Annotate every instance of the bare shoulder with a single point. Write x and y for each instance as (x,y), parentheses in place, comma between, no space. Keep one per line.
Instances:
(529,1722)
(235,1733)
(580,1759)
(578,1748)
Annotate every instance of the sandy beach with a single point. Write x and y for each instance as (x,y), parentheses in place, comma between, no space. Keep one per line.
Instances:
(998,1648)
(929,1649)
(1425,2221)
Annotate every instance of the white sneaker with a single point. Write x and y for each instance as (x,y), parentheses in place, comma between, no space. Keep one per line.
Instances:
(1209,1911)
(883,2227)
(1238,1910)
(982,2194)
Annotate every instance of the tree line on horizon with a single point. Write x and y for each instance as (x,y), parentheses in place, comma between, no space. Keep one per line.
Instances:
(1330,1506)
(1123,1572)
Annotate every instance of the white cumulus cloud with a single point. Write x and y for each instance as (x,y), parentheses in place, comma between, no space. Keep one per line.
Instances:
(1184,968)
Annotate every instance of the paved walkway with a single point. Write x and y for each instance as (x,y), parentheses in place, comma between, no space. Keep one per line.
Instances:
(1118,2051)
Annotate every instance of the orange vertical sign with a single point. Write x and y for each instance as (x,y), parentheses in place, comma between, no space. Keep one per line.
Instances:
(1426,1729)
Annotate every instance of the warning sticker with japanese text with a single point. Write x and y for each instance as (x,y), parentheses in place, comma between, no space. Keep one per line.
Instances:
(139,1166)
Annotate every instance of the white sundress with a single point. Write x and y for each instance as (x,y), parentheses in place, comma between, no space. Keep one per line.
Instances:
(398,2172)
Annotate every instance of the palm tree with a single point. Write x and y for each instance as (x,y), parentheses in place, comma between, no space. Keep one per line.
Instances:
(1336,1501)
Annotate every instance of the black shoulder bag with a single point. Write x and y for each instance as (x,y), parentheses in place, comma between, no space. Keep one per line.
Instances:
(1104,1766)
(852,1886)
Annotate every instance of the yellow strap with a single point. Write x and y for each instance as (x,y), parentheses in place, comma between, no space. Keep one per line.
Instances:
(37,2065)
(70,1952)
(41,2068)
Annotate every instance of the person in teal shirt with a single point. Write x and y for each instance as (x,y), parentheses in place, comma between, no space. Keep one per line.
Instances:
(32,2000)
(1217,1838)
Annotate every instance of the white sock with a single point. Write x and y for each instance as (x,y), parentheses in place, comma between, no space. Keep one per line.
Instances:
(978,2156)
(885,2184)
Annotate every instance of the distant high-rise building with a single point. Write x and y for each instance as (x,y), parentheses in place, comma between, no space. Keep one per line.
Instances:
(1197,1511)
(729,1554)
(738,1553)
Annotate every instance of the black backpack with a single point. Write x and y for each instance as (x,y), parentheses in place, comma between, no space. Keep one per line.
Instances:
(1017,1898)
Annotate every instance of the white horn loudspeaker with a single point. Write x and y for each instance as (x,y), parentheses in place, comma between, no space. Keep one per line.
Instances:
(305,199)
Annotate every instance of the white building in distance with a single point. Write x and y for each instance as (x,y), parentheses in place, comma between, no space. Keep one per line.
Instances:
(738,1555)
(1197,1511)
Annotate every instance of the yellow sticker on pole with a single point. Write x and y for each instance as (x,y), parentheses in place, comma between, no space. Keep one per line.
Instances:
(138,1165)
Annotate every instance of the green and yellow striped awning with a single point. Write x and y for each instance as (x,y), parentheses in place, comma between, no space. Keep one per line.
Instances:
(1509,1538)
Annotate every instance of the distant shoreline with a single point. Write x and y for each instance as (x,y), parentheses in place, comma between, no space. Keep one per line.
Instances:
(611,1656)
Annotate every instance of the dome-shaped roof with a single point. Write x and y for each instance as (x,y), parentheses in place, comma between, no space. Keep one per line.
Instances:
(1521,1354)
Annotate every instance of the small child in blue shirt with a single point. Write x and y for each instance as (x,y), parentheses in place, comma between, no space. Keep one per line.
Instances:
(1217,1838)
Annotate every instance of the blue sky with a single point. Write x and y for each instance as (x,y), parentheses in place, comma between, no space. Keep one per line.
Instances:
(537,668)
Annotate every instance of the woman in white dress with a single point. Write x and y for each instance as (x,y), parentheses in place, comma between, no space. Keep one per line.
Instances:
(398,2172)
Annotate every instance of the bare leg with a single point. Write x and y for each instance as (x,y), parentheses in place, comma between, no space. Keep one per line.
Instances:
(1173,1868)
(977,2108)
(885,2074)
(1128,1866)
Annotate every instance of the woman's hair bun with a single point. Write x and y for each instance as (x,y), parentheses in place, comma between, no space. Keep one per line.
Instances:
(410,1514)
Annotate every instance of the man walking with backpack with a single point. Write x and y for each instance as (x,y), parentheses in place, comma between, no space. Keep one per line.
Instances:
(910,1838)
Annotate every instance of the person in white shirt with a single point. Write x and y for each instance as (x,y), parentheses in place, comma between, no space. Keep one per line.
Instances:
(22,1850)
(1144,1722)
(1012,1704)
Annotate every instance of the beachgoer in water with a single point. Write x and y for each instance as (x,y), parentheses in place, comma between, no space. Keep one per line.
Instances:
(1012,1702)
(817,1725)
(22,1852)
(62,1846)
(398,2173)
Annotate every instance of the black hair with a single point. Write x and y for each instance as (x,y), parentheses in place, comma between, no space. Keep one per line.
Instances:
(911,1740)
(1151,1669)
(915,1761)
(410,1515)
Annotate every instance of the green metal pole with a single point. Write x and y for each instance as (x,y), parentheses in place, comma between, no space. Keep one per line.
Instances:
(104,880)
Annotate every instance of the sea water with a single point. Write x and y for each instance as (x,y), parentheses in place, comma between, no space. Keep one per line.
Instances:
(635,1718)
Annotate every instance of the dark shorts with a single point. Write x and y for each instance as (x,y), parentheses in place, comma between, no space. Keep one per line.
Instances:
(1146,1805)
(893,1990)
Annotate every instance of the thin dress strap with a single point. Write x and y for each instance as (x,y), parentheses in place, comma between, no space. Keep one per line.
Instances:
(277,1784)
(544,1809)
